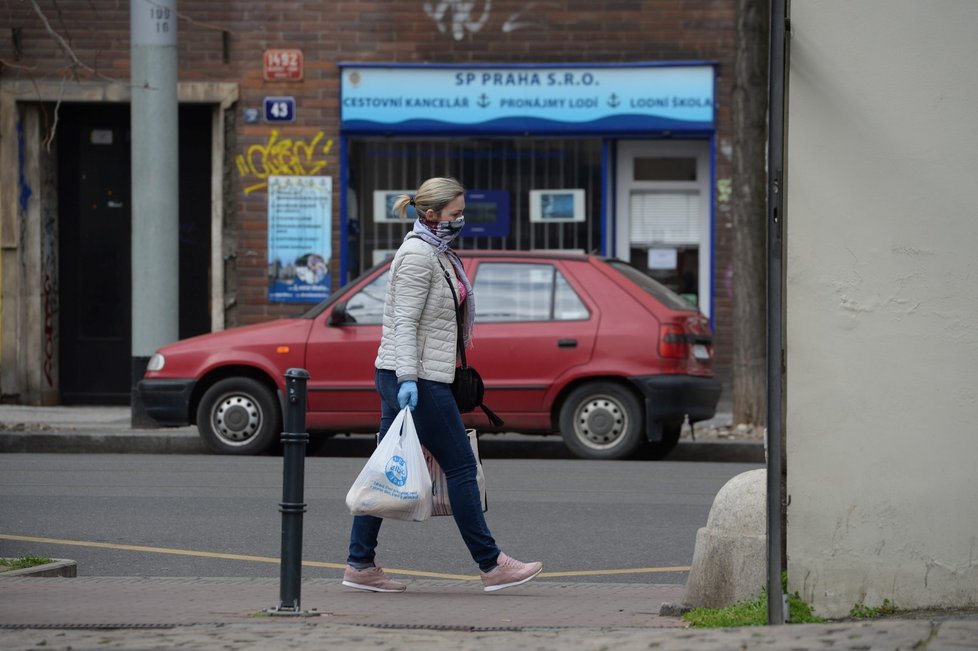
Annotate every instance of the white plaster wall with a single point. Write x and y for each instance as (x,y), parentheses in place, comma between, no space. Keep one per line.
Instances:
(882,303)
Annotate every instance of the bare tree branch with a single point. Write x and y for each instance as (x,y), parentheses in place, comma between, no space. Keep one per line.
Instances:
(54,125)
(66,48)
(7,64)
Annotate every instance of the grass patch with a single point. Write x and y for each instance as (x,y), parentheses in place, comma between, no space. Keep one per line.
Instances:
(862,611)
(22,563)
(752,612)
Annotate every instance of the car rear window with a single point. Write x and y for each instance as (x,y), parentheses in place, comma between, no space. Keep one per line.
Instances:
(657,290)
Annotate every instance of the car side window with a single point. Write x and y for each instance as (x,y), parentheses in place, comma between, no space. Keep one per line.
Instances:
(511,291)
(567,304)
(367,305)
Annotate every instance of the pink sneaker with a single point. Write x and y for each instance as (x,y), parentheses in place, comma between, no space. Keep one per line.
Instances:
(372,579)
(509,572)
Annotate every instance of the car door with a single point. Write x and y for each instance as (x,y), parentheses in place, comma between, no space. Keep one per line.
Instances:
(340,358)
(534,324)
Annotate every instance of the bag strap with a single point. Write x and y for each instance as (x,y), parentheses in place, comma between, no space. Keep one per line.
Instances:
(458,312)
(495,420)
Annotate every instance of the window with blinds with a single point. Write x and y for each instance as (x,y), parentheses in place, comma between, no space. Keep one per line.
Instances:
(664,218)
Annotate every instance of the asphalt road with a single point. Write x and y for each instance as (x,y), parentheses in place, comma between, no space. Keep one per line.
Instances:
(217,516)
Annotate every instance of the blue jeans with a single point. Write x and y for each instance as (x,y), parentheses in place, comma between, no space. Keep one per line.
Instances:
(441,430)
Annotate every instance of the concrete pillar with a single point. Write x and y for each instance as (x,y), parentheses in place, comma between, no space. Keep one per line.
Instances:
(155,186)
(730,557)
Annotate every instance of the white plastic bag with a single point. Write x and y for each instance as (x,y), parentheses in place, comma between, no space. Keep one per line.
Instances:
(395,482)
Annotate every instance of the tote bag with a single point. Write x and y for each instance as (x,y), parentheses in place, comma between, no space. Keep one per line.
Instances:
(439,482)
(394,483)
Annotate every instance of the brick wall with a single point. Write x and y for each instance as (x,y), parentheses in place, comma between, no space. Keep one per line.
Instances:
(510,31)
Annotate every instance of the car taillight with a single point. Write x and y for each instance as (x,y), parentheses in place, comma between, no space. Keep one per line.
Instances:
(687,347)
(672,341)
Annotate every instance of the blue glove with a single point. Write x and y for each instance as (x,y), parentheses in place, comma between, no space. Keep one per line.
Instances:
(407,394)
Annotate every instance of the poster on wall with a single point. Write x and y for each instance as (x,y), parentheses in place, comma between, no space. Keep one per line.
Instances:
(384,207)
(299,238)
(551,206)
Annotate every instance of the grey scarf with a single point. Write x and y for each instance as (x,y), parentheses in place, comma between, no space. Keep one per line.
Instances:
(441,245)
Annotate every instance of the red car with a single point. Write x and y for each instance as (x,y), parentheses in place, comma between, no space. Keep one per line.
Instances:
(571,343)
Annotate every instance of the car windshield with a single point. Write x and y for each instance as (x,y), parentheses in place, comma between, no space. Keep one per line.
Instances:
(656,289)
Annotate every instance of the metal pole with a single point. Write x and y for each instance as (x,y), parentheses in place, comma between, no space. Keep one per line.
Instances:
(294,440)
(775,323)
(155,187)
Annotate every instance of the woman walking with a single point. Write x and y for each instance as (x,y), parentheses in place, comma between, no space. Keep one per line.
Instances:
(415,368)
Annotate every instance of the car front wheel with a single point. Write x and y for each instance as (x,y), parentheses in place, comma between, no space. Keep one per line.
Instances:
(239,416)
(602,420)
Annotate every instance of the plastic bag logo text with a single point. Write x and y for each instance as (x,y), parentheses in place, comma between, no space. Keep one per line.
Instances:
(396,471)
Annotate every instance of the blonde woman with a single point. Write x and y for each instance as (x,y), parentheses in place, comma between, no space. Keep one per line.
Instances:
(415,368)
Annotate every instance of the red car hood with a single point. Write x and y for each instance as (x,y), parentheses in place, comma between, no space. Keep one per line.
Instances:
(273,346)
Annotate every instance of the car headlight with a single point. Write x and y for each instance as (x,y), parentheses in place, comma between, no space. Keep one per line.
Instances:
(156,362)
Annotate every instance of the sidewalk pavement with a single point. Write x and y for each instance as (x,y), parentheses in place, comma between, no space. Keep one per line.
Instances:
(227,614)
(89,613)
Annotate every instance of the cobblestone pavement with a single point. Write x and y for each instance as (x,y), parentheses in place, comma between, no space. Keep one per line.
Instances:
(88,613)
(300,635)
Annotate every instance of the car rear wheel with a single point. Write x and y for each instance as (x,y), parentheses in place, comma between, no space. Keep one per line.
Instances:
(602,420)
(239,416)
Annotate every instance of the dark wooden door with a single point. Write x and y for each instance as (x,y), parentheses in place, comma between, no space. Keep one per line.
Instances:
(95,235)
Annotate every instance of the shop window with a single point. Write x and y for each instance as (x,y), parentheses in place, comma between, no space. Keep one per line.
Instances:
(664,218)
(663,214)
(503,169)
(664,236)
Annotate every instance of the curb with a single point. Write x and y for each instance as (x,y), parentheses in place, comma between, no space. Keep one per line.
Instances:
(724,451)
(101,443)
(188,442)
(59,567)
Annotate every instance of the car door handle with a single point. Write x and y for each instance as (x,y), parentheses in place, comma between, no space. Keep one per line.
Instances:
(567,343)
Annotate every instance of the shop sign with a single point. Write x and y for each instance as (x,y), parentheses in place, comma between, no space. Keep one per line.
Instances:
(282,65)
(620,99)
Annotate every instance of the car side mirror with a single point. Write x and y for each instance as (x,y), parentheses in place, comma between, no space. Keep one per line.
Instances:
(339,316)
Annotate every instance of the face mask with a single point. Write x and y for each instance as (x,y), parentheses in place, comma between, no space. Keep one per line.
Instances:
(451,228)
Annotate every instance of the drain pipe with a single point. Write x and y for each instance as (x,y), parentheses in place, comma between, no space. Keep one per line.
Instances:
(777,610)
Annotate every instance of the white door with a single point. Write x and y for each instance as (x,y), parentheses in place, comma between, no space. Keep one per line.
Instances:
(662,216)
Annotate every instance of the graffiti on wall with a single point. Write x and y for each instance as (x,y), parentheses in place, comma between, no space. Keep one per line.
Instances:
(49,263)
(49,299)
(459,16)
(283,157)
(724,190)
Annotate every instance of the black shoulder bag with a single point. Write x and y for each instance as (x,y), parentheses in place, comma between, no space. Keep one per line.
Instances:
(467,387)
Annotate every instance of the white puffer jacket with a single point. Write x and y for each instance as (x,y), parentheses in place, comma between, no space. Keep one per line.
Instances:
(420,332)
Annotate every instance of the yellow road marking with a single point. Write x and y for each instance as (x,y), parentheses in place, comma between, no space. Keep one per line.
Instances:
(632,570)
(335,566)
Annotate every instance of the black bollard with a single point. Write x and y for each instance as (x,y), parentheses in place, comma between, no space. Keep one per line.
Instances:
(294,439)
